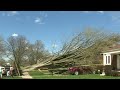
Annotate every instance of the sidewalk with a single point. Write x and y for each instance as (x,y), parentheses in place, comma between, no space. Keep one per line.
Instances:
(26,76)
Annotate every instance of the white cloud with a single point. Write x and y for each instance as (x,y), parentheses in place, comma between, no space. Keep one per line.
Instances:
(12,13)
(102,12)
(39,20)
(14,35)
(85,11)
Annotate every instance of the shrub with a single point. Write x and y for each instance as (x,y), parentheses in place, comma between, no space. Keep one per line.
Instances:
(100,67)
(81,70)
(97,68)
(57,70)
(87,69)
(115,73)
(108,70)
(65,73)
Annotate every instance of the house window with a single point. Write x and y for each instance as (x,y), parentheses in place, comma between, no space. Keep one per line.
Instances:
(106,59)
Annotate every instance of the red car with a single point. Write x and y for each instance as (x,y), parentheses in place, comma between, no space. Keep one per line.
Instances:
(75,70)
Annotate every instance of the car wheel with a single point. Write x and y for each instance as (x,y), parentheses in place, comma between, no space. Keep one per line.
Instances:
(76,73)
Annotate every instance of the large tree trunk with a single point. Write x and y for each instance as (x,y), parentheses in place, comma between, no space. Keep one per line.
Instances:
(17,67)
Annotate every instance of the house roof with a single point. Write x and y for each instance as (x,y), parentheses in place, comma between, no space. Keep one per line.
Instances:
(115,47)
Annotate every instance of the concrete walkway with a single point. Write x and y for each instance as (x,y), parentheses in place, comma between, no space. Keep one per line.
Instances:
(32,67)
(26,76)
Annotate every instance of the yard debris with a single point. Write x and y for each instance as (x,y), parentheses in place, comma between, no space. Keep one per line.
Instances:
(103,73)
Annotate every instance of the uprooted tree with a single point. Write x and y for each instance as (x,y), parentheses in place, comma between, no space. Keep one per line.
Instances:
(85,47)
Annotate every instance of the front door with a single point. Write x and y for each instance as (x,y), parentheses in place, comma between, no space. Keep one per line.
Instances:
(118,61)
(114,62)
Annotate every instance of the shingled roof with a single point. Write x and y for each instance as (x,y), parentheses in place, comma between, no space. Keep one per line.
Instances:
(114,47)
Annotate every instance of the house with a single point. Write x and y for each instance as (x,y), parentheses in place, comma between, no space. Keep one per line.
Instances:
(112,57)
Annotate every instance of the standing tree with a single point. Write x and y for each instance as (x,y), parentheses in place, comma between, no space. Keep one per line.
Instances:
(36,52)
(17,47)
(39,49)
(2,62)
(2,51)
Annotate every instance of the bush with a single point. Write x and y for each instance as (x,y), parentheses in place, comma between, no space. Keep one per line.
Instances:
(57,70)
(100,67)
(66,73)
(81,70)
(97,68)
(115,73)
(87,69)
(108,70)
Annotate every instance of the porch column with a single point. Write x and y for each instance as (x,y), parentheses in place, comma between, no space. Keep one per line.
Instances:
(118,61)
(106,59)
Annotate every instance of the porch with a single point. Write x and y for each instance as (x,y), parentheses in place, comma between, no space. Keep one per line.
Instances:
(112,58)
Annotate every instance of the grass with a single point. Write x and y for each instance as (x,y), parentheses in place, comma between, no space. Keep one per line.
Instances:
(36,73)
(90,76)
(41,75)
(15,77)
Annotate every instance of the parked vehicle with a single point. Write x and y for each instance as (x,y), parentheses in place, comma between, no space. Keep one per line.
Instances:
(3,70)
(75,70)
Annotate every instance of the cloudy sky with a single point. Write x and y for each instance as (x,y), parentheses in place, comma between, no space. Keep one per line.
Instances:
(54,27)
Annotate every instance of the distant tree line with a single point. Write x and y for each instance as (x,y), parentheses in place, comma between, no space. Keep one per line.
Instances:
(20,52)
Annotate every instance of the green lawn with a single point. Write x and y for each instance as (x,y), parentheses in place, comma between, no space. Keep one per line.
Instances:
(15,77)
(36,73)
(40,75)
(90,76)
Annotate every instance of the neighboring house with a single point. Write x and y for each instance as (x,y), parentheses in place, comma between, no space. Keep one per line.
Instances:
(112,57)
